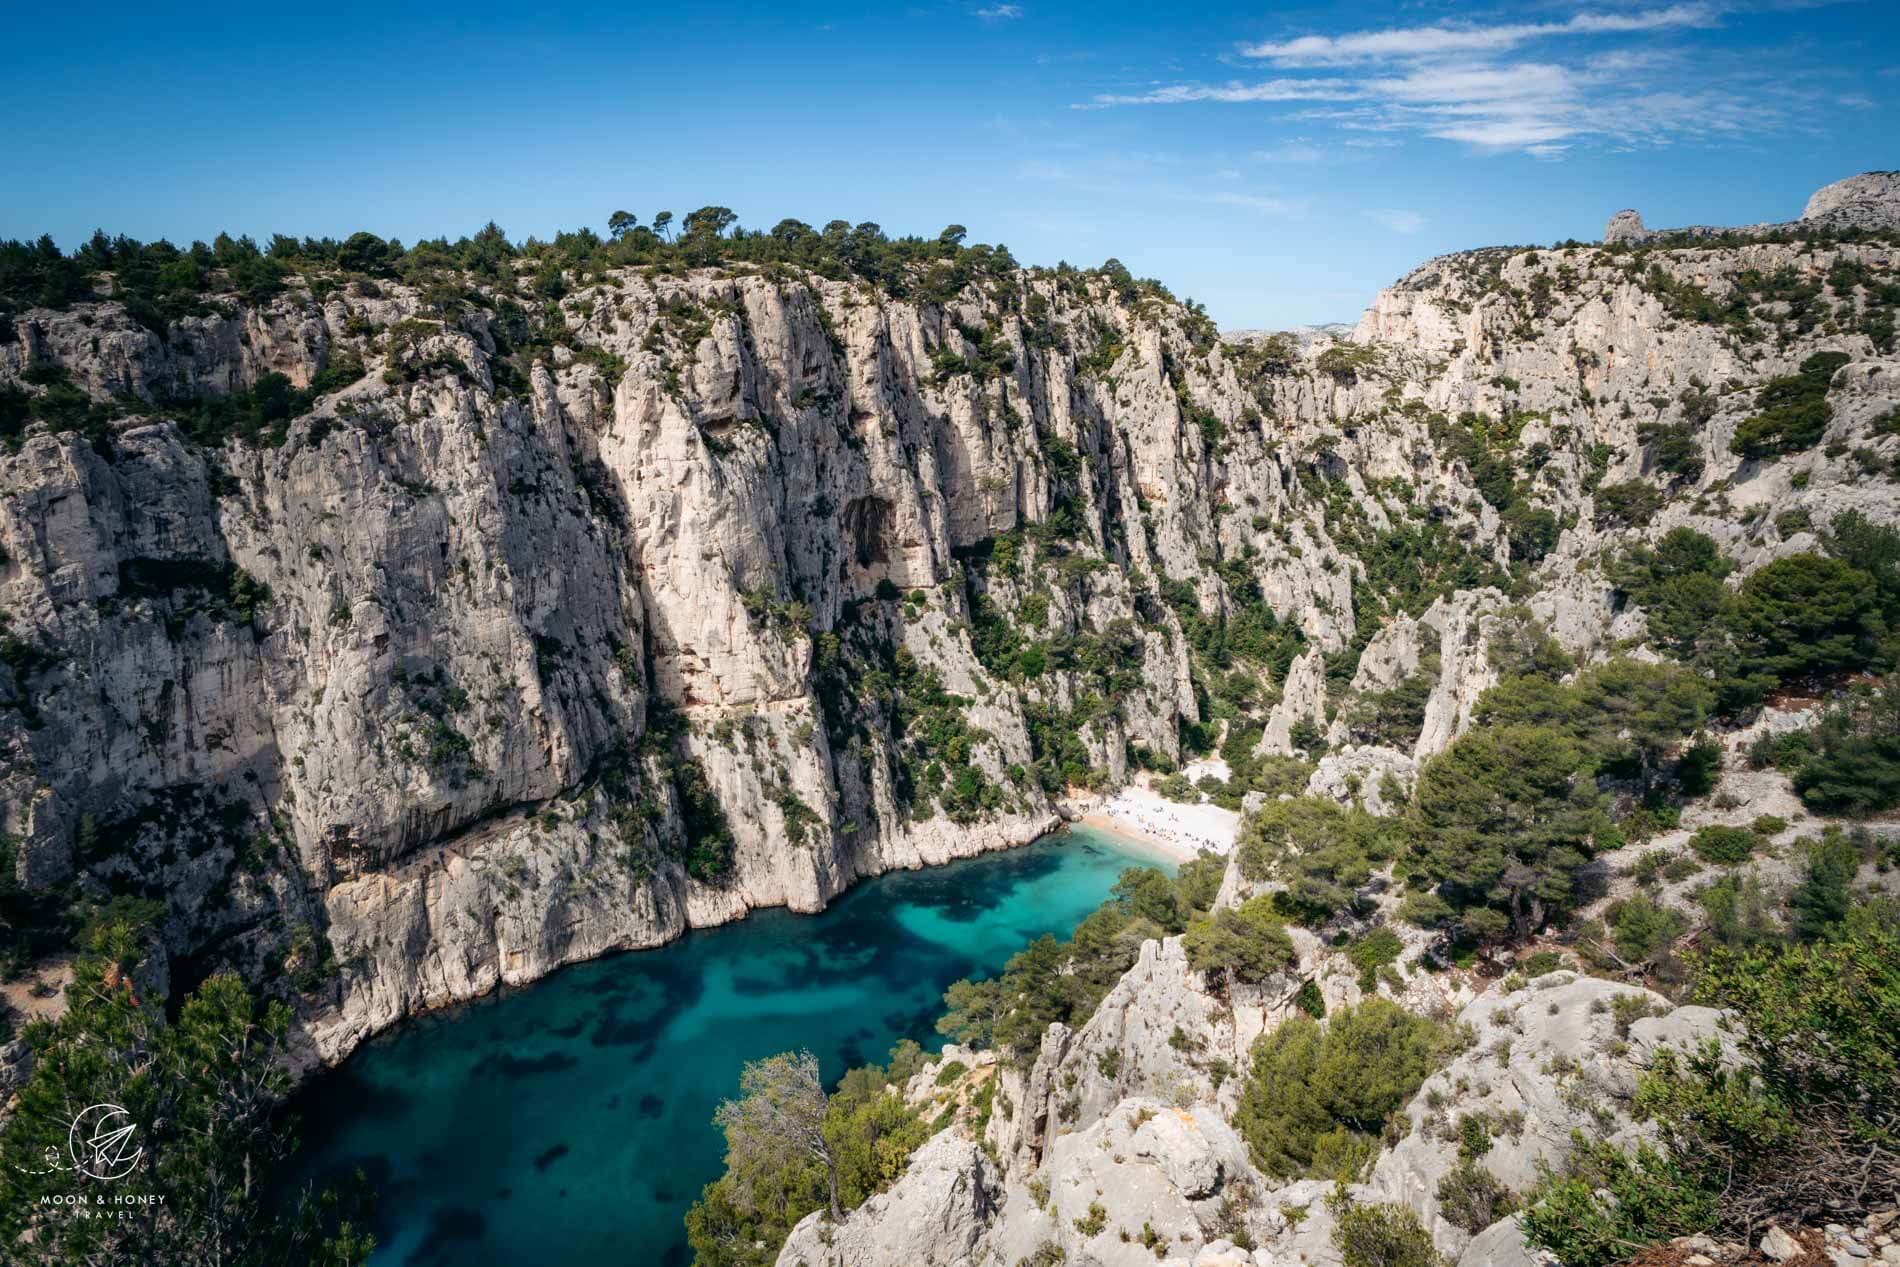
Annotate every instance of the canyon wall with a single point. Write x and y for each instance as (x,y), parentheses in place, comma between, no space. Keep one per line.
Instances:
(555,632)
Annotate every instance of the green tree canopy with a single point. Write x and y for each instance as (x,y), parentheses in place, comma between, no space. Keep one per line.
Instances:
(1245,944)
(1805,613)
(1322,1092)
(1323,853)
(202,1096)
(1505,818)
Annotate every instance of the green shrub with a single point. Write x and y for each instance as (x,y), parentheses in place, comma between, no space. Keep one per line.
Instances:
(1352,1073)
(1740,911)
(1608,1203)
(1647,868)
(1379,1235)
(1699,766)
(1724,846)
(1825,894)
(1544,961)
(1674,448)
(1630,504)
(1793,410)
(1472,1198)
(1803,1129)
(1532,532)
(1643,929)
(1372,952)
(1343,1154)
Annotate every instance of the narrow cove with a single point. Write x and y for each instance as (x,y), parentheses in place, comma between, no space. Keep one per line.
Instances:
(570,1122)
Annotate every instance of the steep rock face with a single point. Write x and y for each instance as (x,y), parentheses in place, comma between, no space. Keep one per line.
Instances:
(1152,1181)
(1560,1055)
(547,637)
(474,599)
(1586,344)
(1159,1171)
(1145,1137)
(1380,779)
(939,1212)
(452,674)
(1870,200)
(1134,1045)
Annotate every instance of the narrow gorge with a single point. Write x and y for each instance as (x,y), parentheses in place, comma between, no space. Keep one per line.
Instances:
(385,625)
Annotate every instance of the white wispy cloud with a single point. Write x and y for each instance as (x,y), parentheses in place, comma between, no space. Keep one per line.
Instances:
(1399,220)
(1000,13)
(1447,39)
(1479,85)
(1233,91)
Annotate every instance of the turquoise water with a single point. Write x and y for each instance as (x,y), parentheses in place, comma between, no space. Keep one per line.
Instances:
(571,1122)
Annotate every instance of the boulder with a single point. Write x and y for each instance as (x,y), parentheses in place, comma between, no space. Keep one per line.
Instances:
(1503,1245)
(939,1212)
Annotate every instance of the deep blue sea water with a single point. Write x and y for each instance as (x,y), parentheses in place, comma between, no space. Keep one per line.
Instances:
(570,1122)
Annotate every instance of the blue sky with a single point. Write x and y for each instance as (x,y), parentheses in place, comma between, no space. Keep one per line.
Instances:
(1277,162)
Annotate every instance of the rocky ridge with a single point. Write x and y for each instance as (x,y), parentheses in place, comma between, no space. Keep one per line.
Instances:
(1869,201)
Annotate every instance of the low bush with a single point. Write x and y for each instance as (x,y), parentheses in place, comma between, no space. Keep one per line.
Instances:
(1793,410)
(1642,929)
(1724,846)
(1372,952)
(1471,1197)
(1319,1095)
(1379,1235)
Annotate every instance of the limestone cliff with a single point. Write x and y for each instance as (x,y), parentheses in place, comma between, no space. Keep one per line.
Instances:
(516,630)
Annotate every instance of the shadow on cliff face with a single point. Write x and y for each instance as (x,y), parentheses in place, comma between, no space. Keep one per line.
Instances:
(867,523)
